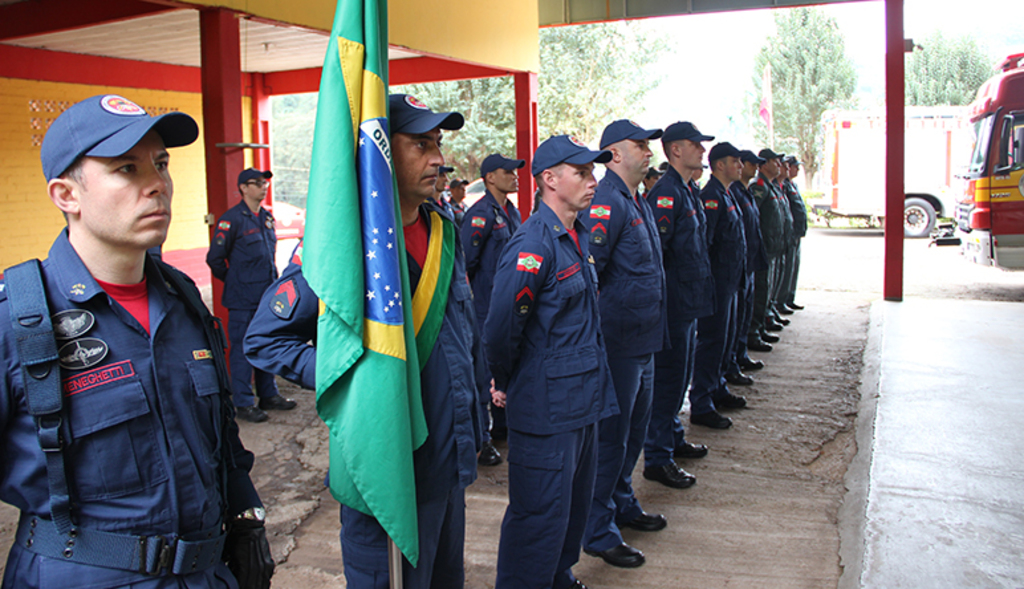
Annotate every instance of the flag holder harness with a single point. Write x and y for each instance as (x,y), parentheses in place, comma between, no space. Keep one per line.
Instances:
(59,538)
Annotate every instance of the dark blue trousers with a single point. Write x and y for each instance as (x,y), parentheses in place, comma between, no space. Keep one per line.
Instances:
(241,371)
(673,370)
(550,486)
(442,535)
(712,339)
(620,438)
(737,350)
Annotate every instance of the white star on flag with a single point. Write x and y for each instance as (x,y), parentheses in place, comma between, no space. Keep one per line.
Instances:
(372,255)
(370,295)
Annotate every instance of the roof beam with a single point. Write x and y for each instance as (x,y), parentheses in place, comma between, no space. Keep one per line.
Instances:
(423,70)
(36,17)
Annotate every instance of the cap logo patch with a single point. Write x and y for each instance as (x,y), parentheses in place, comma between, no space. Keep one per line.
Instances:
(632,122)
(575,141)
(120,106)
(415,103)
(528,262)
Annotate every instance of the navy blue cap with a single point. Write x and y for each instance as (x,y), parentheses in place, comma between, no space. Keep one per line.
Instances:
(722,150)
(768,154)
(748,156)
(565,149)
(252,174)
(623,129)
(496,161)
(107,126)
(684,130)
(791,160)
(409,115)
(445,170)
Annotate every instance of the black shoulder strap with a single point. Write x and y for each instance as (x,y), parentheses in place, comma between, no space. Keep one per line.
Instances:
(37,351)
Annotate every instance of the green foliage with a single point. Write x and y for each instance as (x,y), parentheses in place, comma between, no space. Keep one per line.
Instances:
(590,75)
(291,141)
(811,73)
(946,71)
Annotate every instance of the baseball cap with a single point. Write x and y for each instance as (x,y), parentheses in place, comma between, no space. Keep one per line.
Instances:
(791,160)
(767,154)
(496,161)
(409,115)
(722,150)
(252,174)
(107,125)
(748,156)
(654,173)
(684,130)
(456,183)
(445,170)
(623,129)
(566,149)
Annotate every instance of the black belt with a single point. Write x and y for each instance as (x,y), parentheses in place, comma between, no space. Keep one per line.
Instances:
(151,555)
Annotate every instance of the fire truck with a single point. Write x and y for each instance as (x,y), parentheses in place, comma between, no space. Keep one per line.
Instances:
(937,141)
(990,215)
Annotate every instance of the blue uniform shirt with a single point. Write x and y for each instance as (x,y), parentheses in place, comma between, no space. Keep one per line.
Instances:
(627,256)
(727,246)
(242,255)
(543,337)
(797,208)
(145,419)
(486,228)
(757,259)
(679,216)
(451,382)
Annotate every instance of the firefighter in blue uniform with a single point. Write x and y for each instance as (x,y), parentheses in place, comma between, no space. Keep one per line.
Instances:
(627,256)
(727,252)
(242,256)
(757,261)
(690,289)
(548,359)
(486,228)
(451,381)
(143,465)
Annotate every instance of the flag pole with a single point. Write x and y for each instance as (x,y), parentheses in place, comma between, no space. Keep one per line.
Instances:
(394,565)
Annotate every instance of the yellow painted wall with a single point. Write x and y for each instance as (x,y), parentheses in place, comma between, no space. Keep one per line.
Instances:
(30,221)
(497,33)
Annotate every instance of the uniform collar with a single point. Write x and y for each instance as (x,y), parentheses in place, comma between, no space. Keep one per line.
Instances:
(617,183)
(494,201)
(74,280)
(715,183)
(553,223)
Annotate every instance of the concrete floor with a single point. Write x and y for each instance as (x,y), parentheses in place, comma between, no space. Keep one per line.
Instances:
(937,490)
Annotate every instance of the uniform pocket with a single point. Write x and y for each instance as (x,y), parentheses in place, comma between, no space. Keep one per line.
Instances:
(208,406)
(571,383)
(535,481)
(114,451)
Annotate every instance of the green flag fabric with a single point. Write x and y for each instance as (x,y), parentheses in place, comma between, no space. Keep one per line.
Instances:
(367,368)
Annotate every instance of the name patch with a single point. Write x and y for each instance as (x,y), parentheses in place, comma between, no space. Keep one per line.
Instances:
(575,268)
(99,376)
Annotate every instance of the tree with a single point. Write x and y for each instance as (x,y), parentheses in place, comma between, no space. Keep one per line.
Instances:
(946,71)
(589,77)
(810,73)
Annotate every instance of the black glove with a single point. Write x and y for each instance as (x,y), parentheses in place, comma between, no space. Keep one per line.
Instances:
(247,554)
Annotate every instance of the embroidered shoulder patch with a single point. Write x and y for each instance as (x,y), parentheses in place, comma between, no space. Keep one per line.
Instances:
(283,302)
(528,262)
(224,225)
(478,222)
(600,212)
(711,204)
(665,202)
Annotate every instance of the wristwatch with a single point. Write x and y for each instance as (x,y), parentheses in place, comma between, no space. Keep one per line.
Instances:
(253,513)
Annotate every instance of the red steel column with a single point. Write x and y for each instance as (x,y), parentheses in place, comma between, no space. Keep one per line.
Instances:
(261,130)
(222,116)
(526,136)
(892,289)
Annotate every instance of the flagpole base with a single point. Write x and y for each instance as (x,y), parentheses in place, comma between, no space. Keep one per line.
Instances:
(394,565)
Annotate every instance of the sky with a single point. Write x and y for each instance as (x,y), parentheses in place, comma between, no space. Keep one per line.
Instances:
(714,101)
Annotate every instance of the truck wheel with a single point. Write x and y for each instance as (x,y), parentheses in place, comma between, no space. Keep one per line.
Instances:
(918,218)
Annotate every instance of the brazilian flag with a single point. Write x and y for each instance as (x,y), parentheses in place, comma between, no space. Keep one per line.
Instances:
(367,367)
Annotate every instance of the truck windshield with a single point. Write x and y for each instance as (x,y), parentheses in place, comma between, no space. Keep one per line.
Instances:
(981,133)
